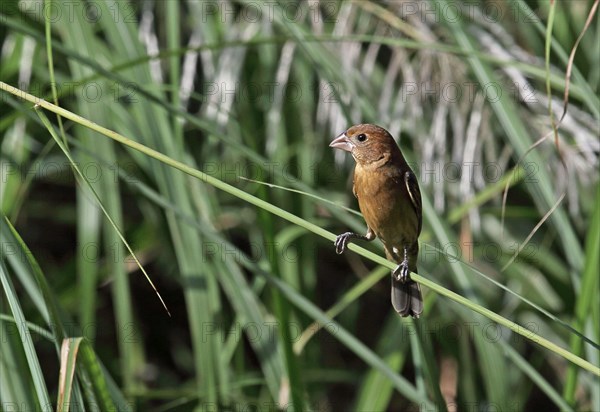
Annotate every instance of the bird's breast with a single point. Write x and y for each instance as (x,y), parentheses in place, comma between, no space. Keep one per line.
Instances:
(386,205)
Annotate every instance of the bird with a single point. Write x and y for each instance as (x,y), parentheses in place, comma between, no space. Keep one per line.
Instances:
(389,199)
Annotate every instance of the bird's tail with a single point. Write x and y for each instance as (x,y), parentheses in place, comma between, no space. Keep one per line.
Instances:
(407,298)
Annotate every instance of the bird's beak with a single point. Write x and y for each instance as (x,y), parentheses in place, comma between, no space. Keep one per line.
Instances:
(342,142)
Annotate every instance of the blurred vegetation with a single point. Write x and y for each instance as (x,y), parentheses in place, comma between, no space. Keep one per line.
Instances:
(251,92)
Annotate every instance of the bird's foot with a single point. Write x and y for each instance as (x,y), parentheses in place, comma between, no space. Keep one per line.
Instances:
(401,273)
(341,242)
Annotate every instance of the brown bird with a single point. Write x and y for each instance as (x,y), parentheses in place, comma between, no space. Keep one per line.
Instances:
(390,200)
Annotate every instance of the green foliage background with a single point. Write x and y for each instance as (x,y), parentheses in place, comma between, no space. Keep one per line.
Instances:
(251,92)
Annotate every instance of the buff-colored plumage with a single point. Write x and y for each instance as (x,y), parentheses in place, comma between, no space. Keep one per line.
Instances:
(390,201)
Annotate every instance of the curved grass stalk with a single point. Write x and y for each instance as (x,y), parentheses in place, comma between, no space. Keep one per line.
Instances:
(65,150)
(219,184)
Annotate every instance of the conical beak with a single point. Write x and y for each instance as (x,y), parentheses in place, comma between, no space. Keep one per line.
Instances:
(342,142)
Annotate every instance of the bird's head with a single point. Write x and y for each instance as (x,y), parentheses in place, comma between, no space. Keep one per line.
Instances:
(367,143)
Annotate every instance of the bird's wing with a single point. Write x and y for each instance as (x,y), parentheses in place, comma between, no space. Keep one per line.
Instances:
(412,187)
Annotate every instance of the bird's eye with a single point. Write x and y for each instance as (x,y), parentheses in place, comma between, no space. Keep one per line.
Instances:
(361,137)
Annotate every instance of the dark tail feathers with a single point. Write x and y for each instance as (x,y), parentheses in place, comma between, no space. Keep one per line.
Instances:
(407,298)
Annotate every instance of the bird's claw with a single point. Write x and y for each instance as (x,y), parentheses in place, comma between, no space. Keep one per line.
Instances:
(401,272)
(341,242)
